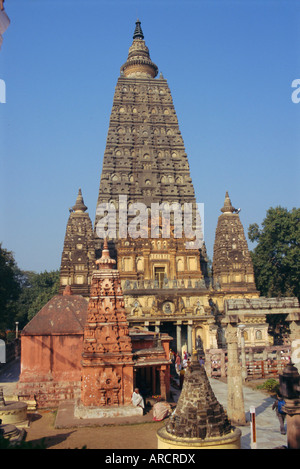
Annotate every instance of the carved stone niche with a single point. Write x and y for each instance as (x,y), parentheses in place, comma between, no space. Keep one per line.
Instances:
(109,387)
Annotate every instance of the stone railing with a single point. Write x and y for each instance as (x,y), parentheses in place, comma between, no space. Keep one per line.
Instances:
(201,284)
(260,362)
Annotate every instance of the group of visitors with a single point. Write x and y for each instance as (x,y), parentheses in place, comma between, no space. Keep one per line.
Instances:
(182,363)
(178,362)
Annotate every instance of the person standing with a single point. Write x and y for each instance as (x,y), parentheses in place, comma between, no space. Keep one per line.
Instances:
(278,406)
(178,363)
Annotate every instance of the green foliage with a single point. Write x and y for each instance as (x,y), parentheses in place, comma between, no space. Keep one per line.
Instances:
(22,294)
(37,290)
(276,258)
(271,385)
(9,288)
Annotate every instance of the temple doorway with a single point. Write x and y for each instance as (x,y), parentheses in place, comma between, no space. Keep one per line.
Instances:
(170,329)
(147,379)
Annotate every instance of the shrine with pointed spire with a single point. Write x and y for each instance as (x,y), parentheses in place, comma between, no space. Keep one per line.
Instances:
(232,264)
(78,256)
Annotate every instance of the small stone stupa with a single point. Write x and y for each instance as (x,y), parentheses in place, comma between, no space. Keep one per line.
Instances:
(199,421)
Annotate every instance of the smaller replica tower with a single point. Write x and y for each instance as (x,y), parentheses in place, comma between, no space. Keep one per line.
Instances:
(107,365)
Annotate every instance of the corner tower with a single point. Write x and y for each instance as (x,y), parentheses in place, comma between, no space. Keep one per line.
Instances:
(232,264)
(78,256)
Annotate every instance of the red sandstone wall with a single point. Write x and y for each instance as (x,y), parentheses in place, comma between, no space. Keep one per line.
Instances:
(56,356)
(98,384)
(50,368)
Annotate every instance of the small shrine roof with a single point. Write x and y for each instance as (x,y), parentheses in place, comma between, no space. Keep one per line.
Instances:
(63,314)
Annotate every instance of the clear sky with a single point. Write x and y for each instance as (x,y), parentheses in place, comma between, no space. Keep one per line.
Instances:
(229,65)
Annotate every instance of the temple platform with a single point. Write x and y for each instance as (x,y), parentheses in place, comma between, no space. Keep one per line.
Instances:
(94,412)
(71,414)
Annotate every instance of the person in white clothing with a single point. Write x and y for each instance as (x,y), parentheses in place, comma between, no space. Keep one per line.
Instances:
(137,399)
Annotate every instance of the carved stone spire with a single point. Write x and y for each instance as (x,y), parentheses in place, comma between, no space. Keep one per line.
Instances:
(105,261)
(78,256)
(138,63)
(79,205)
(232,264)
(138,33)
(227,207)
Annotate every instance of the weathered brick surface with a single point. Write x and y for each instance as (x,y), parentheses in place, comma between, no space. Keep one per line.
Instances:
(198,413)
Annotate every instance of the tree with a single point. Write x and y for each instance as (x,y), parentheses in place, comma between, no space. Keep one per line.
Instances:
(276,257)
(22,293)
(37,290)
(10,289)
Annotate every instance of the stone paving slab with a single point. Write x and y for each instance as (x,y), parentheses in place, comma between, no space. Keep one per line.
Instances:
(267,424)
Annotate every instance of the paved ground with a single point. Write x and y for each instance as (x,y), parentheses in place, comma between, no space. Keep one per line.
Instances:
(139,433)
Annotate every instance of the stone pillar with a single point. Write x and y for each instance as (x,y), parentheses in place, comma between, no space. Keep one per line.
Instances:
(223,364)
(290,391)
(147,271)
(163,387)
(235,405)
(178,335)
(294,319)
(173,272)
(243,353)
(292,409)
(189,338)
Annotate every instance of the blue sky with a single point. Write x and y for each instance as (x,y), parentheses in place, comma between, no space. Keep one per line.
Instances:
(229,65)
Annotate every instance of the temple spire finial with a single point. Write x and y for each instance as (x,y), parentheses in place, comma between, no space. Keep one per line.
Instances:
(227,207)
(105,262)
(138,33)
(139,64)
(79,205)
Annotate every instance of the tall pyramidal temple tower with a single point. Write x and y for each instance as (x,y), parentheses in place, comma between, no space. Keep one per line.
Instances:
(147,210)
(145,162)
(145,158)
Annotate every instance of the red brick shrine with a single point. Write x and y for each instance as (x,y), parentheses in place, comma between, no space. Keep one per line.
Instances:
(107,359)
